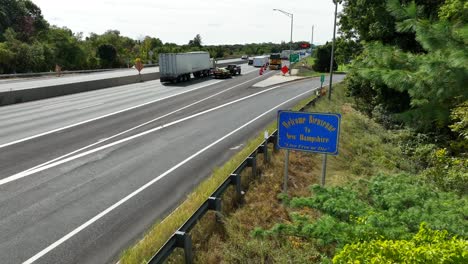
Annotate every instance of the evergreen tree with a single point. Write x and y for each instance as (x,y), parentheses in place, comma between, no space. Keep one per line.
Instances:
(435,80)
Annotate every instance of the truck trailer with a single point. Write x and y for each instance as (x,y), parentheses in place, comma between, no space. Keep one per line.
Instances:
(261,61)
(178,67)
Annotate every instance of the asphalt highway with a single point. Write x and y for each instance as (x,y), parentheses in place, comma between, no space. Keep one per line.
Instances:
(29,83)
(83,176)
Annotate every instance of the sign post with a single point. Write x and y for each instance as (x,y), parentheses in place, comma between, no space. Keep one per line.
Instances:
(312,132)
(285,181)
(324,170)
(322,80)
(139,67)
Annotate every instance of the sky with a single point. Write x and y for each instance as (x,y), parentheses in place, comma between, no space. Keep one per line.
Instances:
(178,21)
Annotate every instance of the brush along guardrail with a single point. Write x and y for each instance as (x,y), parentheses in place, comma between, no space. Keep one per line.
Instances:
(181,238)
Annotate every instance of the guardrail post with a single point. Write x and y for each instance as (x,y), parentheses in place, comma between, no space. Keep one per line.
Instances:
(274,140)
(265,152)
(185,241)
(265,147)
(253,163)
(214,204)
(236,180)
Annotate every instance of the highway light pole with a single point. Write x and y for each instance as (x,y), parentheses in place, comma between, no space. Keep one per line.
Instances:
(290,43)
(333,50)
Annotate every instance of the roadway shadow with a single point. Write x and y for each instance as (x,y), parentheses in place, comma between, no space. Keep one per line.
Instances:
(188,83)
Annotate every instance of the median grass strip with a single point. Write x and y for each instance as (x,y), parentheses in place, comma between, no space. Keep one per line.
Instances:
(161,231)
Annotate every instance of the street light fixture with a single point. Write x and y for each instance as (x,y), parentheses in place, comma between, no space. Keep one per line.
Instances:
(290,43)
(336,2)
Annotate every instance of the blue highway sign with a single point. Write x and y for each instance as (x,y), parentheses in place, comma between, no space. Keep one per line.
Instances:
(314,132)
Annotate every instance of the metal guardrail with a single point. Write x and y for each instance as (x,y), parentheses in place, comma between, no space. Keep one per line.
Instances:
(181,238)
(38,74)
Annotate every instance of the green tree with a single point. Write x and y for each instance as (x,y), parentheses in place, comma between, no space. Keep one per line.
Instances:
(370,20)
(196,42)
(322,59)
(6,58)
(346,50)
(23,16)
(435,80)
(67,49)
(108,54)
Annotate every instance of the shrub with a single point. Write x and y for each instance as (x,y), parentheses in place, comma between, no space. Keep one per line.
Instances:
(427,246)
(384,208)
(447,172)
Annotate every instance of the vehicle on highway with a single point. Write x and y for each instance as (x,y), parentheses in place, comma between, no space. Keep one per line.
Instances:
(178,67)
(250,61)
(285,54)
(222,73)
(234,69)
(245,57)
(261,61)
(275,61)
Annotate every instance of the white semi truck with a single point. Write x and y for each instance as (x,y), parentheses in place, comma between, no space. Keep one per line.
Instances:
(178,67)
(261,61)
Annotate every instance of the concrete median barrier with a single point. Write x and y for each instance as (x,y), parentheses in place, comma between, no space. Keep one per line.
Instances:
(26,95)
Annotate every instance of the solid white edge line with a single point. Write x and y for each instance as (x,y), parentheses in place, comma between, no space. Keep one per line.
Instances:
(142,188)
(136,127)
(59,162)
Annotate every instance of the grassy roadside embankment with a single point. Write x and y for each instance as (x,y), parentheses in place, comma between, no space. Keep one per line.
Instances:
(358,214)
(305,68)
(161,231)
(365,149)
(374,207)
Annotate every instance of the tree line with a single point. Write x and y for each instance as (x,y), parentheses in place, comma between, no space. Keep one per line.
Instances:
(28,43)
(413,65)
(412,72)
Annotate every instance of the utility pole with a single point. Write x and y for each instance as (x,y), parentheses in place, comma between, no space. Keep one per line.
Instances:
(290,43)
(332,51)
(312,40)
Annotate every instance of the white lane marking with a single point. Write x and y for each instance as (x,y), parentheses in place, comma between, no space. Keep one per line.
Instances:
(88,106)
(237,147)
(136,127)
(106,115)
(142,188)
(59,162)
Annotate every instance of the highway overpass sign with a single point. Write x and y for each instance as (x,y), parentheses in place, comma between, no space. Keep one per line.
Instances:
(313,132)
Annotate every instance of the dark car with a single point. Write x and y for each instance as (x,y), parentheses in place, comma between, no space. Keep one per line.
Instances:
(234,69)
